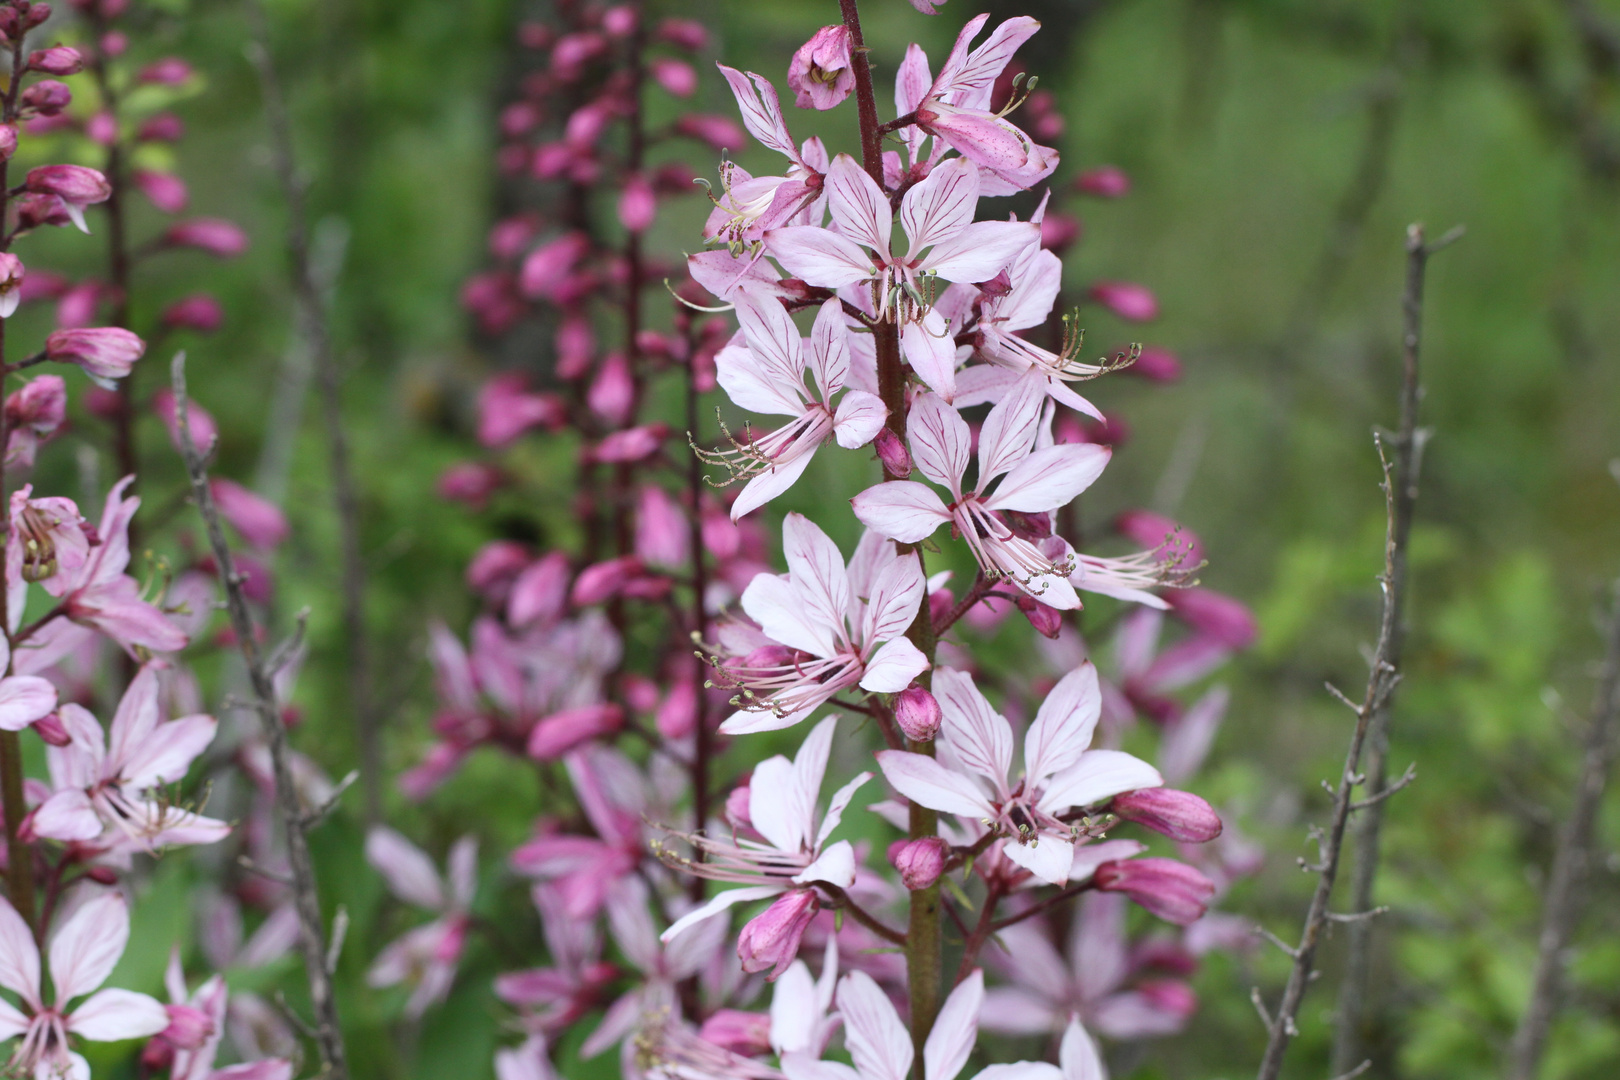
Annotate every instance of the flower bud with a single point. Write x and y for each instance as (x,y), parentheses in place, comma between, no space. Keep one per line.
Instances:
(189,1027)
(470,483)
(259,521)
(495,567)
(603,580)
(771,938)
(720,132)
(1180,815)
(575,346)
(1220,617)
(74,185)
(201,313)
(745,1033)
(560,732)
(684,33)
(630,445)
(619,21)
(822,74)
(57,60)
(164,127)
(12,273)
(102,128)
(637,205)
(170,71)
(676,76)
(548,267)
(166,191)
(539,591)
(204,431)
(1156,365)
(919,861)
(1060,231)
(737,807)
(35,14)
(1047,620)
(106,352)
(1108,182)
(216,236)
(47,97)
(51,729)
(36,210)
(677,714)
(1172,890)
(8,141)
(102,875)
(612,393)
(891,450)
(918,714)
(114,44)
(1132,302)
(507,409)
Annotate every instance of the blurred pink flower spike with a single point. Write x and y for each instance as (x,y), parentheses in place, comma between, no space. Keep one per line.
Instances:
(82,955)
(766,375)
(1214,614)
(429,954)
(196,1031)
(1172,890)
(216,236)
(76,186)
(104,352)
(821,74)
(782,809)
(1180,815)
(507,409)
(102,782)
(1030,481)
(970,776)
(814,637)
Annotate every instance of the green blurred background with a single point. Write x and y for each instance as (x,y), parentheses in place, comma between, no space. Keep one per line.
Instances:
(1278,149)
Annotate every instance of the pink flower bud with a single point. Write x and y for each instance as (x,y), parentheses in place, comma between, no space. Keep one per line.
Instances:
(102,128)
(560,732)
(1060,231)
(34,14)
(216,236)
(549,266)
(540,592)
(57,60)
(12,274)
(940,603)
(201,313)
(918,714)
(106,352)
(166,191)
(619,21)
(612,393)
(493,569)
(1180,815)
(603,580)
(51,729)
(1172,890)
(189,1027)
(637,204)
(822,73)
(8,141)
(520,118)
(470,483)
(575,345)
(38,408)
(506,409)
(684,33)
(36,210)
(745,1033)
(1161,535)
(891,450)
(737,803)
(1220,617)
(630,445)
(47,97)
(508,238)
(204,432)
(260,521)
(1111,430)
(77,307)
(771,938)
(677,713)
(919,861)
(721,536)
(1047,621)
(1108,182)
(573,51)
(1156,365)
(164,127)
(170,71)
(114,43)
(75,185)
(662,533)
(676,76)
(720,132)
(1135,303)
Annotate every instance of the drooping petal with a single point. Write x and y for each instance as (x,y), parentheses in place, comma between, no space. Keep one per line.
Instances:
(720,902)
(1050,478)
(893,666)
(926,782)
(858,205)
(980,737)
(819,256)
(877,1041)
(940,442)
(1098,775)
(902,510)
(978,70)
(769,484)
(931,351)
(955,1030)
(113,1015)
(1064,725)
(761,111)
(410,874)
(88,946)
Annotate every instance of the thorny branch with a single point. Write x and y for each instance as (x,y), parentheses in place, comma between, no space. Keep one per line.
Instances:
(1399,487)
(1350,1034)
(306,898)
(313,323)
(1560,904)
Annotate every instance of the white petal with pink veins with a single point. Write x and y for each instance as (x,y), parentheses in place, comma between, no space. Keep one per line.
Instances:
(931,351)
(955,1030)
(835,866)
(817,567)
(749,386)
(1064,725)
(940,441)
(775,605)
(88,946)
(979,737)
(770,483)
(858,205)
(981,251)
(902,510)
(877,1041)
(941,206)
(1048,858)
(113,1015)
(859,418)
(24,699)
(19,957)
(893,666)
(1050,478)
(820,257)
(926,782)
(1098,775)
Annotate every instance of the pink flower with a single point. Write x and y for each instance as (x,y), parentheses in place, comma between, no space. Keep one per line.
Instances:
(24,699)
(792,852)
(201,313)
(101,596)
(1031,481)
(539,592)
(663,535)
(12,274)
(82,955)
(33,415)
(676,76)
(1135,303)
(428,955)
(918,714)
(471,483)
(197,1028)
(556,734)
(549,267)
(955,108)
(75,185)
(821,73)
(752,205)
(766,375)
(815,637)
(1170,889)
(169,71)
(105,352)
(1215,614)
(581,870)
(102,783)
(970,776)
(944,241)
(637,204)
(216,236)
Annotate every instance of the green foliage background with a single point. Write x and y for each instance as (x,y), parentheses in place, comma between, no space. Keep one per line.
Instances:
(1245,126)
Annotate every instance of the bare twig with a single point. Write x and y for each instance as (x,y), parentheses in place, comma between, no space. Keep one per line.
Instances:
(1399,487)
(1560,903)
(312,318)
(306,899)
(1353,1018)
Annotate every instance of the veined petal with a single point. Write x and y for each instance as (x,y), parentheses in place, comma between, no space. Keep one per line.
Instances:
(940,207)
(137,714)
(931,351)
(979,69)
(19,956)
(1009,431)
(896,594)
(980,737)
(751,386)
(88,946)
(893,666)
(749,721)
(911,81)
(776,804)
(794,1012)
(817,568)
(858,205)
(1079,1055)
(902,510)
(820,256)
(837,805)
(1064,725)
(809,769)
(1098,775)
(767,485)
(169,751)
(113,1015)
(721,902)
(775,605)
(761,111)
(951,70)
(771,335)
(926,782)
(955,1030)
(1050,478)
(1048,857)
(940,442)
(1020,1070)
(801,1065)
(829,349)
(859,418)
(12,1022)
(835,866)
(981,250)
(877,1041)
